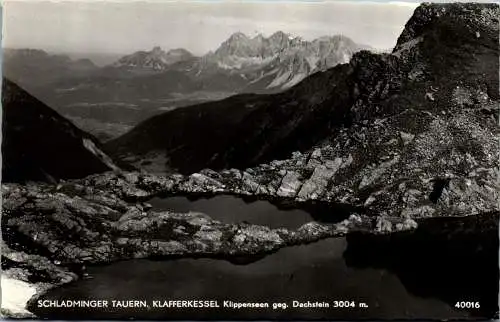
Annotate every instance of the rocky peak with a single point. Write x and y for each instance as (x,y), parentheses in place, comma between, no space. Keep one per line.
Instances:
(157,50)
(470,16)
(280,39)
(278,35)
(179,52)
(157,53)
(339,46)
(156,59)
(238,36)
(240,50)
(36,54)
(178,55)
(259,37)
(451,45)
(445,59)
(85,63)
(237,44)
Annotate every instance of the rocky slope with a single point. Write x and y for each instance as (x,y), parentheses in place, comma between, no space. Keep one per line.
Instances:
(38,220)
(403,147)
(440,82)
(40,145)
(108,220)
(236,132)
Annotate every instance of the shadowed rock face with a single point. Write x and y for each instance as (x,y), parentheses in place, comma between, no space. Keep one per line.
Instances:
(39,144)
(213,134)
(453,259)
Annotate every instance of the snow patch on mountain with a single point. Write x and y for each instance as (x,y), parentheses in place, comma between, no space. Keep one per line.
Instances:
(313,61)
(15,295)
(295,80)
(281,79)
(89,145)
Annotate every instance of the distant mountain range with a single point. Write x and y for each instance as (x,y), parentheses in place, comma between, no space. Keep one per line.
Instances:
(261,64)
(33,67)
(240,64)
(145,83)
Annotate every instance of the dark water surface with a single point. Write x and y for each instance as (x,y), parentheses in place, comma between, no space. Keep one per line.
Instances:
(231,209)
(314,272)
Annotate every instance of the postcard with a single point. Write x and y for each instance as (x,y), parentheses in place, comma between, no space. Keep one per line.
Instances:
(250,160)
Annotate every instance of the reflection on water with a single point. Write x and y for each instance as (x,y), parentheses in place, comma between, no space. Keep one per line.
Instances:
(314,272)
(231,209)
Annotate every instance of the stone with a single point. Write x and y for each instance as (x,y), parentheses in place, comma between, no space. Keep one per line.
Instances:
(406,137)
(290,184)
(383,225)
(376,172)
(315,186)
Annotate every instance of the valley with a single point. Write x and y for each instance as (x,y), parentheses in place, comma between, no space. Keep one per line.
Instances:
(146,83)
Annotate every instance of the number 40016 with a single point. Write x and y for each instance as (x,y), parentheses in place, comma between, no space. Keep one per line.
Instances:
(467,305)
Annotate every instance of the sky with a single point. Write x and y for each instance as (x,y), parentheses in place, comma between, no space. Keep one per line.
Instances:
(199,26)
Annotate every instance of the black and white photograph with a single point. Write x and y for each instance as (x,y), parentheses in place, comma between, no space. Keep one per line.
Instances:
(233,160)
